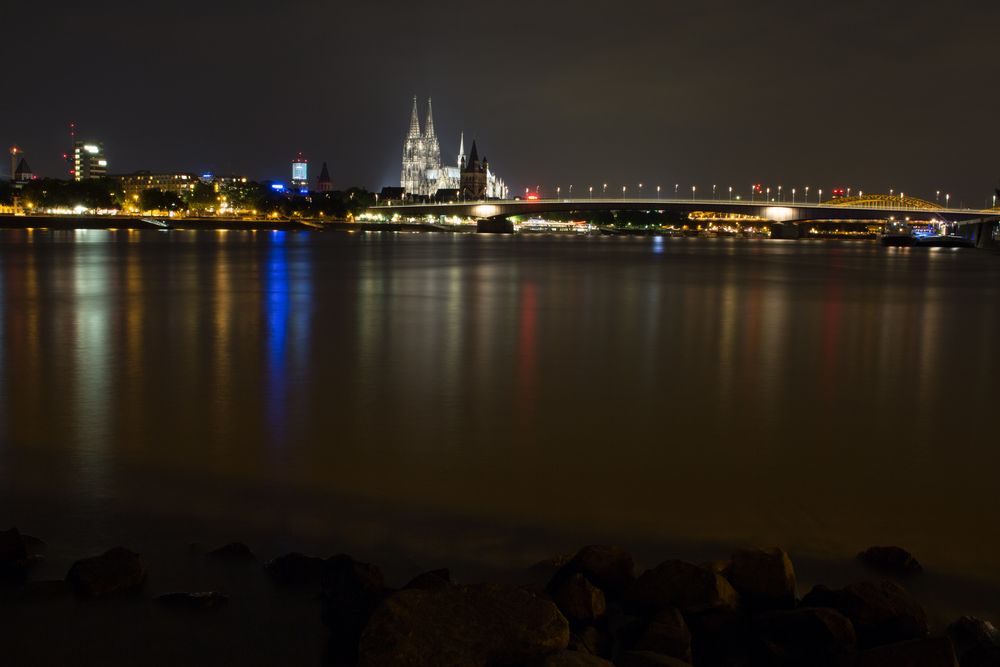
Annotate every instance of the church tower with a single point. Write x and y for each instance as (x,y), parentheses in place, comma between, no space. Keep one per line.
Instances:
(432,150)
(413,156)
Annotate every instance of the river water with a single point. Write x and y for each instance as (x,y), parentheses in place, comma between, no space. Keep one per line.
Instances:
(480,401)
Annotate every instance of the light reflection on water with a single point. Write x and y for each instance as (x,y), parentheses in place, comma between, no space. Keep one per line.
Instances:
(459,394)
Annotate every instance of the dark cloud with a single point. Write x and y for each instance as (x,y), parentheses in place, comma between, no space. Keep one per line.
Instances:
(893,94)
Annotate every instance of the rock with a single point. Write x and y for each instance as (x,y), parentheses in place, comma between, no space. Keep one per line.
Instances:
(688,587)
(117,570)
(351,591)
(573,659)
(721,638)
(764,578)
(648,659)
(294,569)
(33,544)
(234,551)
(891,560)
(469,626)
(970,633)
(431,580)
(881,612)
(14,558)
(581,602)
(982,656)
(609,568)
(591,640)
(47,588)
(806,637)
(937,652)
(205,600)
(668,634)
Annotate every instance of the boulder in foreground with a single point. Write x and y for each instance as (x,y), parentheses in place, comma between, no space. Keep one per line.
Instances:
(115,571)
(648,659)
(891,560)
(350,594)
(580,602)
(937,652)
(572,659)
(976,642)
(688,587)
(203,600)
(464,626)
(764,578)
(882,612)
(611,569)
(813,637)
(666,633)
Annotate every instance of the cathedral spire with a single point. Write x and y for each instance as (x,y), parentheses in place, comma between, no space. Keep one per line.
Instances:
(461,151)
(414,122)
(429,127)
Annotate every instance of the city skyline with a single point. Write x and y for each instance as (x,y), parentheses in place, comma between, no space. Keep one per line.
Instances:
(897,97)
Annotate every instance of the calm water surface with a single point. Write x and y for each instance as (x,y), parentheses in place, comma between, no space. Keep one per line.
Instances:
(488,400)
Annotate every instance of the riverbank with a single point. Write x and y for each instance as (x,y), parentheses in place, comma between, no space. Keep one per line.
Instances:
(55,222)
(595,607)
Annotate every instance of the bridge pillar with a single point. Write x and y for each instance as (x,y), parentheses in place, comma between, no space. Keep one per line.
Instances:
(984,234)
(784,230)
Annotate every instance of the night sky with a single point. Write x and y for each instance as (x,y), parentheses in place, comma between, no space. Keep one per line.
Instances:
(884,95)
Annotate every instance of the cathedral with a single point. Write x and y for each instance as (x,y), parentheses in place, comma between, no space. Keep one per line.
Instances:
(423,175)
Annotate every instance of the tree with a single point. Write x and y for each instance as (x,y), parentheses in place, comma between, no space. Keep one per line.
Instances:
(155,199)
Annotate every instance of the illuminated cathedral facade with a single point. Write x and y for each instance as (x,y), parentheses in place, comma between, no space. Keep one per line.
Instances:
(423,174)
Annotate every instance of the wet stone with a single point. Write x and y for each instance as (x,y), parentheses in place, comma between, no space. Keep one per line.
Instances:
(891,560)
(115,571)
(197,601)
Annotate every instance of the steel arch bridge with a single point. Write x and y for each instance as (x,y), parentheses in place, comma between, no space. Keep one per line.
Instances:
(875,207)
(885,202)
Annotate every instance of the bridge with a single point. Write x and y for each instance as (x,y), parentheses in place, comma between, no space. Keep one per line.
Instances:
(978,222)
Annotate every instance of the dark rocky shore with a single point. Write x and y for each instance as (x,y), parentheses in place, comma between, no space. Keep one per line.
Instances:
(594,608)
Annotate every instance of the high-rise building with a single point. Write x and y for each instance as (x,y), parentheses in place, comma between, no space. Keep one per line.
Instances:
(423,175)
(88,160)
(300,172)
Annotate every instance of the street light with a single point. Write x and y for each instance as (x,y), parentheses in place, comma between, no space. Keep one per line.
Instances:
(640,191)
(693,188)
(937,196)
(807,194)
(676,186)
(730,193)
(947,199)
(793,195)
(767,192)
(779,193)
(605,188)
(713,192)
(819,197)
(658,193)
(591,191)
(558,191)
(570,190)
(623,191)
